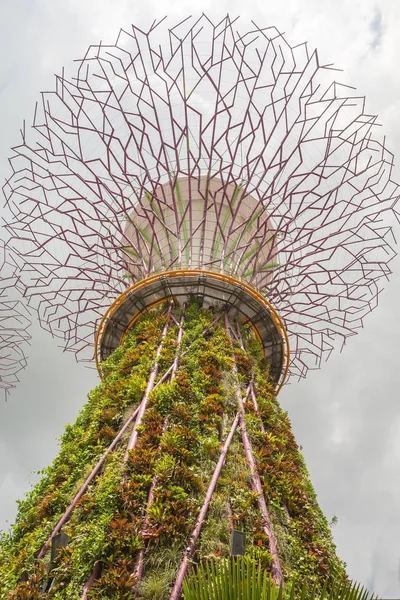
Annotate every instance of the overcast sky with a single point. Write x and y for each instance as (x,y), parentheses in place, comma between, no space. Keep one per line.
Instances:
(347,415)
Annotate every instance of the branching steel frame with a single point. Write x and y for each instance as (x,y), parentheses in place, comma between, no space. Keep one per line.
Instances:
(236,109)
(14,323)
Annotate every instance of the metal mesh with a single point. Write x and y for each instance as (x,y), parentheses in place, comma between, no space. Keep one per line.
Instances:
(234,106)
(14,322)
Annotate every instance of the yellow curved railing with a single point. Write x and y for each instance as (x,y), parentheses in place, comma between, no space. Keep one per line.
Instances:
(190,273)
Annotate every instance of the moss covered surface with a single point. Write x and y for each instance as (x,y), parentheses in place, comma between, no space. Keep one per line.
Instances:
(179,443)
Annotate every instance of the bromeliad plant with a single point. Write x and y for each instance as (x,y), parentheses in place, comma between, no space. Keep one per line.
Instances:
(130,526)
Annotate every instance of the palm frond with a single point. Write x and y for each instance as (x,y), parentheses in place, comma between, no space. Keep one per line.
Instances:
(242,578)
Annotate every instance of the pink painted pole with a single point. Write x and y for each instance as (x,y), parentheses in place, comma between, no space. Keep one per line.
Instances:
(256,481)
(255,477)
(149,388)
(202,515)
(239,335)
(251,385)
(95,574)
(212,324)
(139,562)
(165,376)
(178,345)
(138,570)
(134,435)
(255,404)
(86,484)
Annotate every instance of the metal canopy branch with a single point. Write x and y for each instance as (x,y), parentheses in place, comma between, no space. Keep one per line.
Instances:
(223,161)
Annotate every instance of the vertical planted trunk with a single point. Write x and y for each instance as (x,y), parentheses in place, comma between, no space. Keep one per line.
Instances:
(212,452)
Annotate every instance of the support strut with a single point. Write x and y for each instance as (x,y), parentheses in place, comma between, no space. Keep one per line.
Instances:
(276,571)
(138,571)
(149,388)
(176,591)
(251,384)
(86,484)
(134,434)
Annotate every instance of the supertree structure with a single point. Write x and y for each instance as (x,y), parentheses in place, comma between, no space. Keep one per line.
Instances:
(206,213)
(14,322)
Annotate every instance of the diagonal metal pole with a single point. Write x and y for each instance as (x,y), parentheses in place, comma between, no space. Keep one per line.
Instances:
(86,484)
(134,434)
(176,591)
(95,574)
(255,404)
(255,477)
(251,384)
(169,370)
(164,377)
(138,571)
(257,410)
(149,388)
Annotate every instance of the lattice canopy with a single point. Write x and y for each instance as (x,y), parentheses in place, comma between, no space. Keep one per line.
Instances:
(14,323)
(208,145)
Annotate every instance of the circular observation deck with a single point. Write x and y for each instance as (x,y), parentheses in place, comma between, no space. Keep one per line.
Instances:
(216,290)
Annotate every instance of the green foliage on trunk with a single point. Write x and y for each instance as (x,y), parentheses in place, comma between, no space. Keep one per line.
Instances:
(185,424)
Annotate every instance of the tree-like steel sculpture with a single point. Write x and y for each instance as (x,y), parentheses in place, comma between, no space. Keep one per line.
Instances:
(14,322)
(225,177)
(207,104)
